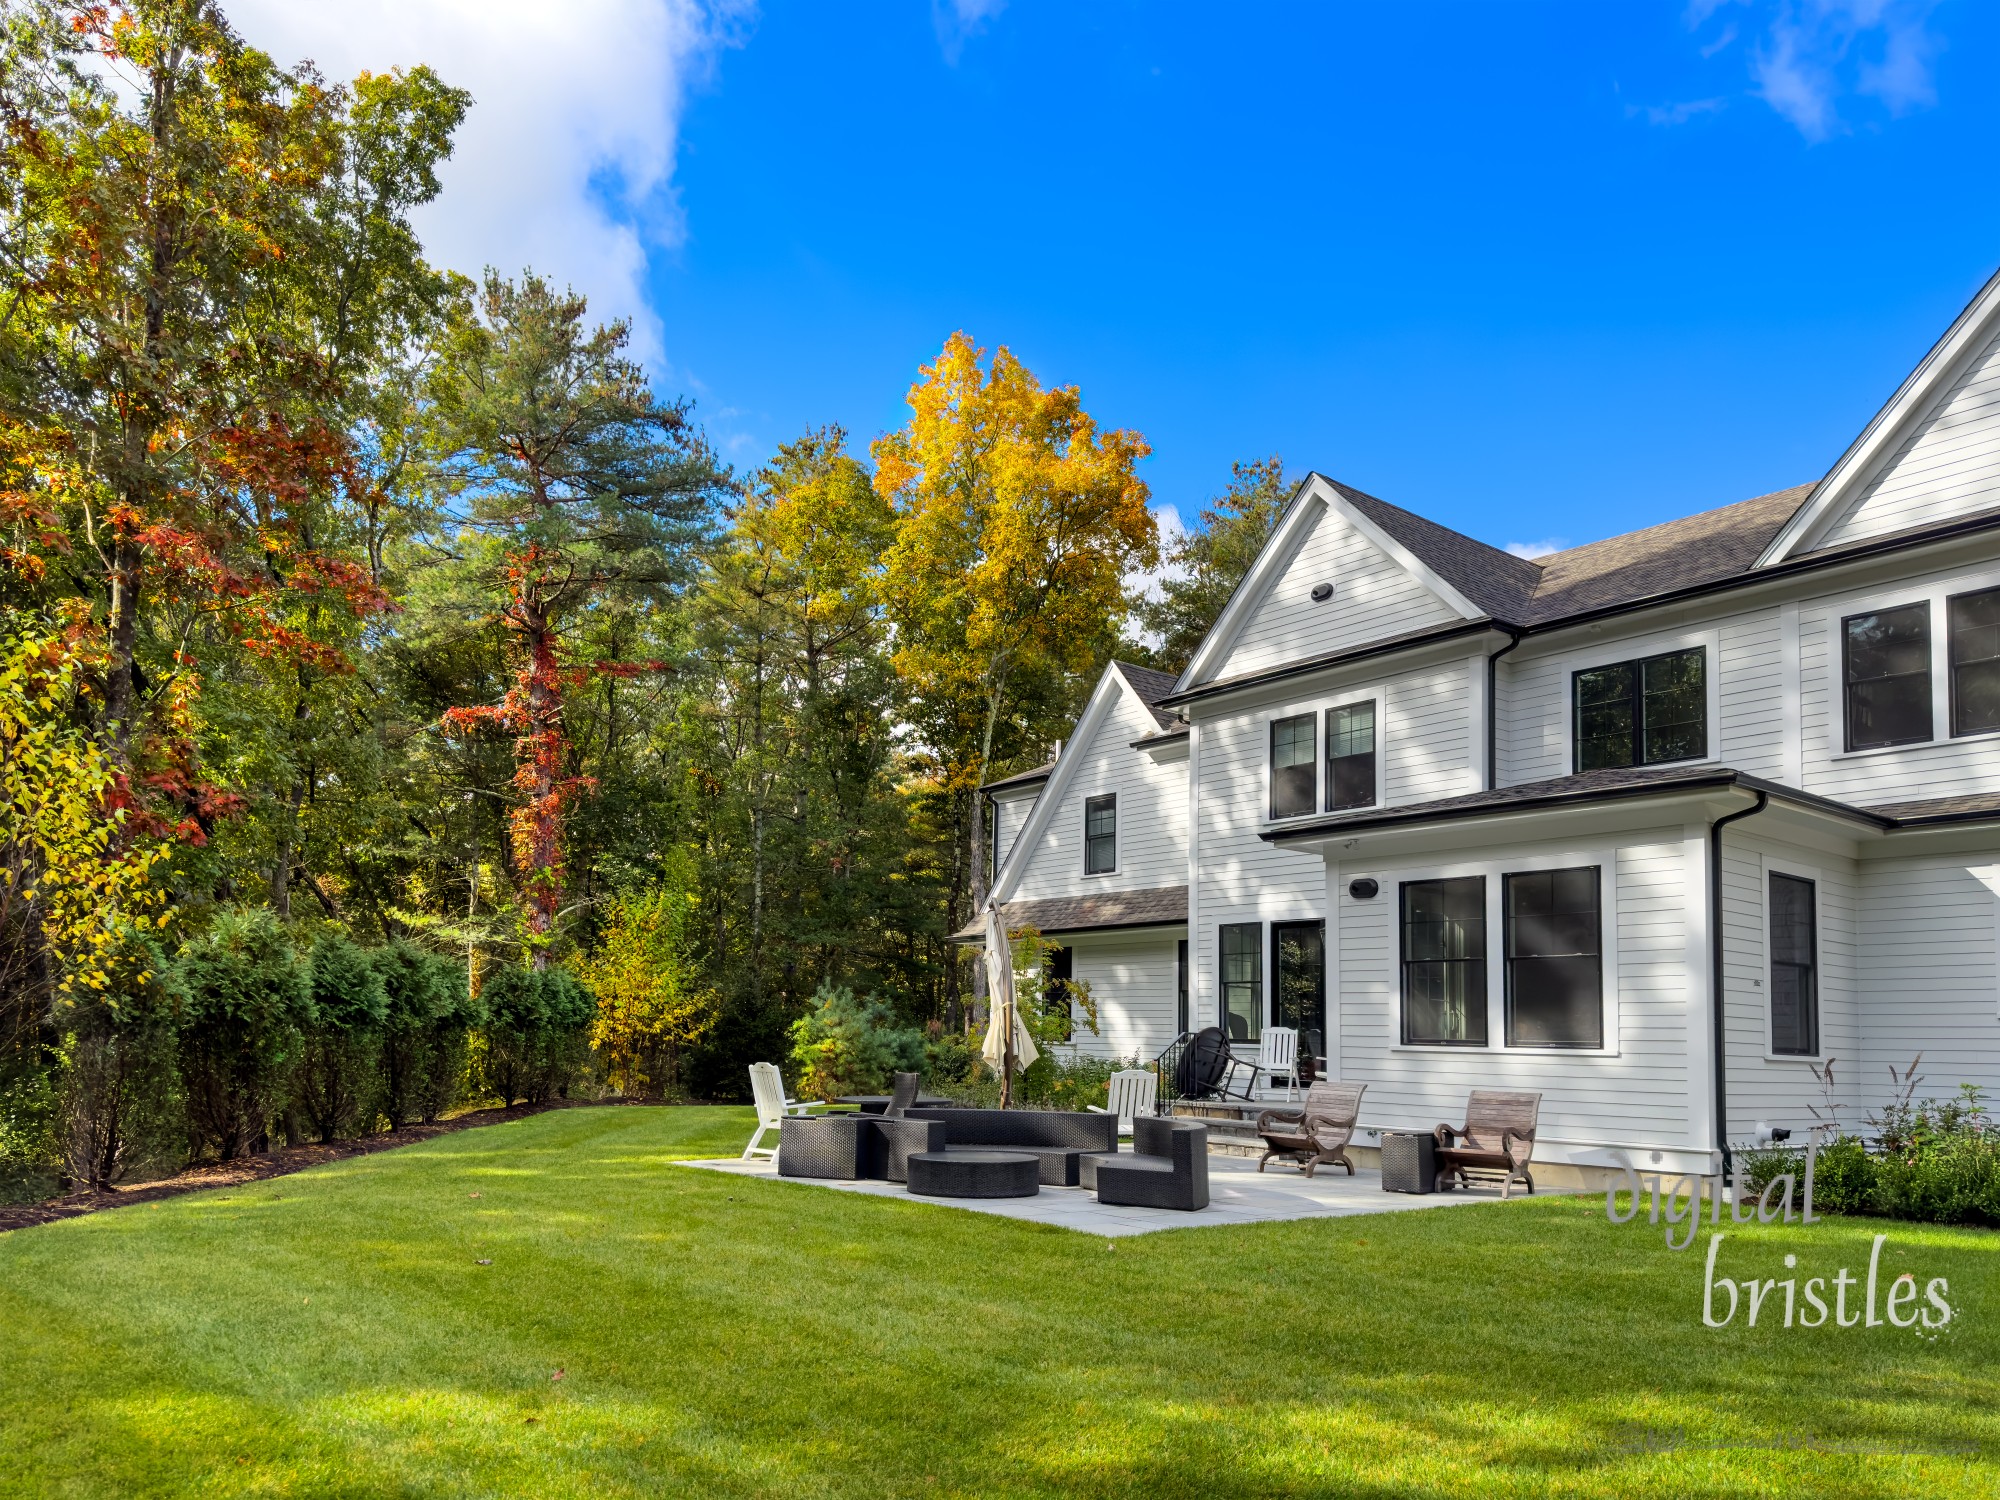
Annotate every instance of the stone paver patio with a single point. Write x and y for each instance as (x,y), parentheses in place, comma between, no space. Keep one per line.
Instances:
(1237,1194)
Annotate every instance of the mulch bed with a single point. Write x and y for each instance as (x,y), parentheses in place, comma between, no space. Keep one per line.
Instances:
(277,1163)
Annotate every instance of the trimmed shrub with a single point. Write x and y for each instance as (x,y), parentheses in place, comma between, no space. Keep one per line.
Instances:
(537,1033)
(337,1068)
(427,1018)
(849,1044)
(247,1003)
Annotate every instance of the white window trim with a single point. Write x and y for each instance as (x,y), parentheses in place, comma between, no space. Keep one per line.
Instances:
(1638,648)
(1495,869)
(1936,595)
(1117,839)
(1318,709)
(1769,866)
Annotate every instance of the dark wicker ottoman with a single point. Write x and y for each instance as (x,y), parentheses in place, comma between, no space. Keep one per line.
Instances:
(1409,1162)
(832,1146)
(974,1174)
(891,1144)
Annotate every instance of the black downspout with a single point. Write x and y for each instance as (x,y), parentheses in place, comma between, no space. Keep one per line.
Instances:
(1493,706)
(1715,973)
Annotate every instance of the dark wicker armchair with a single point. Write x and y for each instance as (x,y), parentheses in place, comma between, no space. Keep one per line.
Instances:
(903,1096)
(1319,1132)
(1496,1141)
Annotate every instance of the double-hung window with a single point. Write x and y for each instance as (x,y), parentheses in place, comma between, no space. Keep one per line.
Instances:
(1642,713)
(1350,756)
(1100,835)
(1444,962)
(1794,966)
(1242,945)
(1975,662)
(1886,663)
(1292,770)
(1555,958)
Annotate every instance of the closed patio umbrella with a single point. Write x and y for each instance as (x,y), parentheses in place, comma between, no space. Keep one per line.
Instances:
(1005,1010)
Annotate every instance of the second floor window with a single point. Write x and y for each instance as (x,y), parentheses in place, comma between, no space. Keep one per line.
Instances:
(1642,713)
(1975,662)
(1100,835)
(1292,772)
(1350,756)
(1886,662)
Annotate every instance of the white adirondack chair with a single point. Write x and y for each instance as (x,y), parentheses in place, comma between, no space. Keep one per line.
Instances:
(767,1090)
(1132,1093)
(1278,1052)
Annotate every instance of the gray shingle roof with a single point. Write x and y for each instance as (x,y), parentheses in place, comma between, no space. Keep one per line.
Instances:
(1151,687)
(1623,569)
(1022,778)
(1161,906)
(1940,809)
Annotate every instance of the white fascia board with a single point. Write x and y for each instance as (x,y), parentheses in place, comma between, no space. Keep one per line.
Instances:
(1406,559)
(1926,386)
(1102,699)
(1279,548)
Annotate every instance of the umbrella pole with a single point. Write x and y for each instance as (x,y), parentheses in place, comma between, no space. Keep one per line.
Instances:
(1007,1057)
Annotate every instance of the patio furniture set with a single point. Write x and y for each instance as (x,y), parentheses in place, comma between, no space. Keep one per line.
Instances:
(986,1153)
(938,1150)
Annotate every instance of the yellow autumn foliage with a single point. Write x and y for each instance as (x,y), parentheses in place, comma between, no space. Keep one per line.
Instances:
(651,1003)
(68,867)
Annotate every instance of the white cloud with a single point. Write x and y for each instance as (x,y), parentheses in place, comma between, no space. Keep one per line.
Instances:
(958,21)
(1814,53)
(565,162)
(1676,114)
(1532,550)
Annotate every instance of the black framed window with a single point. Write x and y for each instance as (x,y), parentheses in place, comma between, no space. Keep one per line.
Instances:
(1886,663)
(1298,975)
(1350,756)
(1100,834)
(1444,962)
(1055,993)
(1181,983)
(1292,766)
(1242,945)
(1794,966)
(1975,662)
(1642,713)
(1553,926)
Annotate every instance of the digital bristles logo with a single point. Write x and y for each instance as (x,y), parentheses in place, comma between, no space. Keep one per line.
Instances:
(1803,1301)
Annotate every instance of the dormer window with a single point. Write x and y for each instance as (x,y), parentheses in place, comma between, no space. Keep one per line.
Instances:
(1642,713)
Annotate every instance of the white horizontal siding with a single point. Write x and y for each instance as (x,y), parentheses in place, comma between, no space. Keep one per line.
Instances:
(1134,981)
(1374,597)
(1943,767)
(1640,1096)
(1428,734)
(1949,466)
(1152,815)
(1928,975)
(1747,657)
(1010,812)
(1784,1092)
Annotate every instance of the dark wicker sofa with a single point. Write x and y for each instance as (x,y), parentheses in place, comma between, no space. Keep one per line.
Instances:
(1059,1138)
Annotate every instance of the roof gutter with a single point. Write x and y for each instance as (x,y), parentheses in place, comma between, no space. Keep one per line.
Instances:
(1715,992)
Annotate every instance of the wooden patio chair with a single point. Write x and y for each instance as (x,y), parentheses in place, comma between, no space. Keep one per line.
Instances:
(1496,1141)
(767,1092)
(1131,1093)
(1319,1132)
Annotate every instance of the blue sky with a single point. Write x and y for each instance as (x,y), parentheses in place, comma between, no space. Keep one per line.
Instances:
(1537,271)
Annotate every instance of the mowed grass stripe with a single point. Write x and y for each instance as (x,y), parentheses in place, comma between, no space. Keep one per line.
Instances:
(329,1333)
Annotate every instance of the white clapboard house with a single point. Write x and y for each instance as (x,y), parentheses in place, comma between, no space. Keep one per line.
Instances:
(1651,825)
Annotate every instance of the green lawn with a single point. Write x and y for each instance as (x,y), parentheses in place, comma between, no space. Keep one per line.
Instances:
(333,1333)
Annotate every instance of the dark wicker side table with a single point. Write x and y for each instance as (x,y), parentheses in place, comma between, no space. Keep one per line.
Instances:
(974,1174)
(1409,1162)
